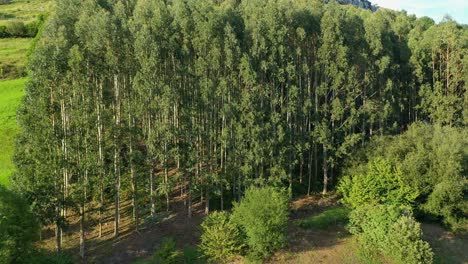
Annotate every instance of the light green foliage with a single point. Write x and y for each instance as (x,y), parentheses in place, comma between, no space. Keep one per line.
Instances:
(263,216)
(405,242)
(221,239)
(18,228)
(11,93)
(328,218)
(391,231)
(432,161)
(381,184)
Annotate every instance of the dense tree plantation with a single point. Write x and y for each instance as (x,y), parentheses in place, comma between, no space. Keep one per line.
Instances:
(230,94)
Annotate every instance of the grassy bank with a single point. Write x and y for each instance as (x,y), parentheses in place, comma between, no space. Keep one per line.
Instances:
(11,92)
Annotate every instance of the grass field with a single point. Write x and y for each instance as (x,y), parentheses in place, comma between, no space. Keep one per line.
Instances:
(23,10)
(11,92)
(13,57)
(13,61)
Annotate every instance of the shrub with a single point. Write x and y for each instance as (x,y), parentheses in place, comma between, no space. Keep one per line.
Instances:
(382,184)
(167,253)
(221,239)
(193,256)
(433,162)
(328,218)
(263,216)
(448,200)
(392,231)
(18,228)
(405,243)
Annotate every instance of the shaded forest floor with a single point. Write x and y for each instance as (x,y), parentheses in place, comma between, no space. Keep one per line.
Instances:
(328,245)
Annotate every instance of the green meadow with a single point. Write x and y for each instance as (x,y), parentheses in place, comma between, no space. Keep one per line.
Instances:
(11,92)
(23,10)
(13,57)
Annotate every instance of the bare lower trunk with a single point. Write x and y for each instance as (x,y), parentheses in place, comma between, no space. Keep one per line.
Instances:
(135,199)
(101,207)
(189,203)
(222,198)
(325,170)
(207,202)
(153,205)
(82,234)
(309,168)
(58,235)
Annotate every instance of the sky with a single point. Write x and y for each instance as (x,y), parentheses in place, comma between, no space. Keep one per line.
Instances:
(436,9)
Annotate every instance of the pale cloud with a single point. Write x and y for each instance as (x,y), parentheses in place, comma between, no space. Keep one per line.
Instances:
(437,9)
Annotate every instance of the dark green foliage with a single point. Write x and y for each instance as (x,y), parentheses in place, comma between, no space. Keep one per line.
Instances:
(19,29)
(44,257)
(326,219)
(392,231)
(167,253)
(3,31)
(263,216)
(381,184)
(193,256)
(221,238)
(18,228)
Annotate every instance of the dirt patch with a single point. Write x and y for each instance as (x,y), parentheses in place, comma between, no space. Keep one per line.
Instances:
(447,247)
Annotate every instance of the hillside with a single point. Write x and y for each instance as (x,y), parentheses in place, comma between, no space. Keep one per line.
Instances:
(225,131)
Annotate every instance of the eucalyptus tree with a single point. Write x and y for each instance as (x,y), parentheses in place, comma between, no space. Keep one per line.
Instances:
(42,152)
(444,97)
(92,29)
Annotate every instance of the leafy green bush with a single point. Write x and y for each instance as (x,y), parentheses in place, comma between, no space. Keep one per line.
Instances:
(405,243)
(328,218)
(391,231)
(167,253)
(433,162)
(448,200)
(263,216)
(221,239)
(382,184)
(18,228)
